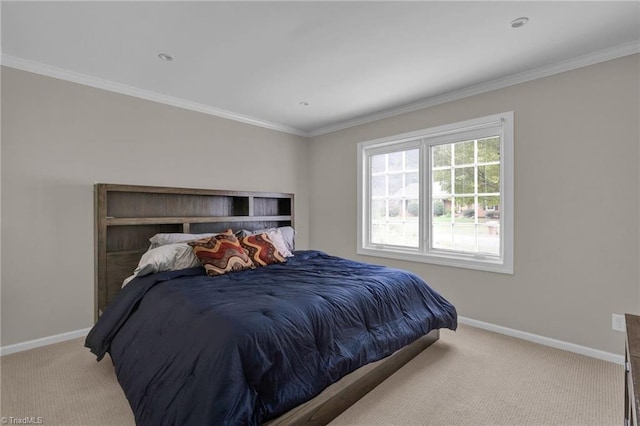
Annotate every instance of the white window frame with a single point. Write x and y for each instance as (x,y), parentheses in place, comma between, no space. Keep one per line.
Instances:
(424,139)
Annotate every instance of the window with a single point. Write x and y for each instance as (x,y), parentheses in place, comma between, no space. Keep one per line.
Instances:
(442,195)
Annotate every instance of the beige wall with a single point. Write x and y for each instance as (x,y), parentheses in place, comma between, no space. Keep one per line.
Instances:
(576,203)
(58,138)
(577,194)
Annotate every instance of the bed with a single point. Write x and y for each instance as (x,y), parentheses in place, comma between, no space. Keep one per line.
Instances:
(295,342)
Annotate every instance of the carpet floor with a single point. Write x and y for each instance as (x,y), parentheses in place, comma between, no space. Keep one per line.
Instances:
(470,377)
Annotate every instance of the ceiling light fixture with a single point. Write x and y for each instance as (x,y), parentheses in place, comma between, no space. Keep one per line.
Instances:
(519,22)
(165,57)
(304,103)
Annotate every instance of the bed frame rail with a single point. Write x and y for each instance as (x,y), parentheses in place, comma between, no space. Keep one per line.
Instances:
(335,399)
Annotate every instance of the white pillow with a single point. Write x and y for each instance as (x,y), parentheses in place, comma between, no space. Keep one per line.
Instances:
(289,236)
(278,242)
(170,257)
(164,239)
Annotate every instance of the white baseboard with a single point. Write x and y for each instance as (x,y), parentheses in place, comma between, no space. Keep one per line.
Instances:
(547,341)
(31,344)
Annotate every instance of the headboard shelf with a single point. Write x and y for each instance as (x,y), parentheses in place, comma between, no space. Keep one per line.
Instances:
(121,221)
(128,215)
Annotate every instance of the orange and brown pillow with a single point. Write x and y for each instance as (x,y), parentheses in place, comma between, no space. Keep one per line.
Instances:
(221,253)
(261,249)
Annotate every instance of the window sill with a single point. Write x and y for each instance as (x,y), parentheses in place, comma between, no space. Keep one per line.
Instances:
(437,259)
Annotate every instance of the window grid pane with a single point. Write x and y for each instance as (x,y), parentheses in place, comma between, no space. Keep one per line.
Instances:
(394,207)
(471,175)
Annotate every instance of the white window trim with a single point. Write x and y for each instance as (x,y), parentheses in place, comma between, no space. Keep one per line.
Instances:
(453,132)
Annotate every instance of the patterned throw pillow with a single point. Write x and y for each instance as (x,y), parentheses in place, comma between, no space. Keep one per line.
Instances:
(261,249)
(221,253)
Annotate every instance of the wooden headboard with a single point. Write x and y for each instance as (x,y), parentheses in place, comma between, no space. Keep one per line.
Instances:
(128,215)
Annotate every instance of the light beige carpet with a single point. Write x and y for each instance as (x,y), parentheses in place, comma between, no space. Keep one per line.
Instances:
(471,377)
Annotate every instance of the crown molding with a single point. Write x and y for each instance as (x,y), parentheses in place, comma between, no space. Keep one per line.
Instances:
(112,86)
(511,80)
(500,83)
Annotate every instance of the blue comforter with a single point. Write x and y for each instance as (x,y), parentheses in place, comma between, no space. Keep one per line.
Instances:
(247,346)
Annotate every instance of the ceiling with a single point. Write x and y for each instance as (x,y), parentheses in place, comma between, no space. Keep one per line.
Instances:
(352,62)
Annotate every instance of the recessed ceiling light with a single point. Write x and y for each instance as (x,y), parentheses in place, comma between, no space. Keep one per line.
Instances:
(165,57)
(304,103)
(519,22)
